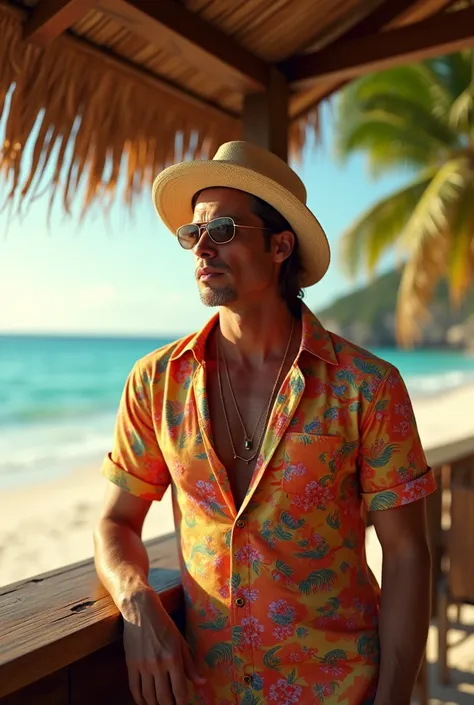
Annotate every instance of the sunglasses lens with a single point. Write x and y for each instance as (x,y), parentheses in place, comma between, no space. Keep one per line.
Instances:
(221,230)
(187,236)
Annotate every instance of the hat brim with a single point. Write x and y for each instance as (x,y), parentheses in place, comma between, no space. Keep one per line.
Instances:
(174,188)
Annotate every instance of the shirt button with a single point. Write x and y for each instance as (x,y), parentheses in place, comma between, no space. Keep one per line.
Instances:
(247,680)
(240,523)
(240,602)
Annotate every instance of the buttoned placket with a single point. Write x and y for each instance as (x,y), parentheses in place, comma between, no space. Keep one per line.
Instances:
(282,413)
(280,418)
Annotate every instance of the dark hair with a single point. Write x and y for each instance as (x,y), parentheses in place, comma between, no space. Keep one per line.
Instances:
(290,272)
(291,269)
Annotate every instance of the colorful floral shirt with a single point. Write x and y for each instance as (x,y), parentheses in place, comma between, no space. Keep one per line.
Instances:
(281,606)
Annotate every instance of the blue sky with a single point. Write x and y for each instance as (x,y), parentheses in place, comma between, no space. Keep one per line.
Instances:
(128,276)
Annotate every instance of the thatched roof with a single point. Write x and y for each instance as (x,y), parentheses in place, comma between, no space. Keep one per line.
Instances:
(109,92)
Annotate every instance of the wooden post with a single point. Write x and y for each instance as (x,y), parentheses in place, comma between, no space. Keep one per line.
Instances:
(265,116)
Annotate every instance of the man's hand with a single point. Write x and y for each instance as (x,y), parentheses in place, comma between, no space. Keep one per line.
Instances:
(158,658)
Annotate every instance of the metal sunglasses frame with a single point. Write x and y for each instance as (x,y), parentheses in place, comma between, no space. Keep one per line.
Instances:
(205,226)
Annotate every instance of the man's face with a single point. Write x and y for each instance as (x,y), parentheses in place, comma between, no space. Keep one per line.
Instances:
(242,269)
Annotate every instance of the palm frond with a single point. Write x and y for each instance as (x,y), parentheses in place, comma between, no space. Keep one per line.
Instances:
(428,237)
(364,242)
(420,117)
(414,83)
(461,255)
(388,143)
(437,204)
(412,115)
(461,115)
(452,73)
(420,277)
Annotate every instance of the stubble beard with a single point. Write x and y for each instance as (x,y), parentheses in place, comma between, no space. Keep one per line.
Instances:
(217,297)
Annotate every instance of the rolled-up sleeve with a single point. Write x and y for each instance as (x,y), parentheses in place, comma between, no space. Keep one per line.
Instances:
(136,463)
(393,466)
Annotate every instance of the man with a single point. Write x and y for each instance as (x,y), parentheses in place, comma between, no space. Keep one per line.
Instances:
(276,436)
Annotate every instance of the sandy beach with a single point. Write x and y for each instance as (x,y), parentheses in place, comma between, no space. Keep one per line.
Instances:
(49,525)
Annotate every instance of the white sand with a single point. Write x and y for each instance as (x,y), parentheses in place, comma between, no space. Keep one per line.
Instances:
(46,526)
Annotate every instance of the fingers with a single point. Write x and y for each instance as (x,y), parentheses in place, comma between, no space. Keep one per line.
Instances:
(151,687)
(163,691)
(179,685)
(135,685)
(149,690)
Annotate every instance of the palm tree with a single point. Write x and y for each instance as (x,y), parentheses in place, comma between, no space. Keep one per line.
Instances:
(419,118)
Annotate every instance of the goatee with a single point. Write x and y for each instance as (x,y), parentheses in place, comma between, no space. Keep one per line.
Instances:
(217,297)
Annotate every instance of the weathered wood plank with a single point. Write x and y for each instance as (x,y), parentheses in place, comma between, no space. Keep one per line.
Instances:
(265,116)
(450,452)
(195,41)
(58,618)
(461,544)
(389,14)
(348,59)
(50,18)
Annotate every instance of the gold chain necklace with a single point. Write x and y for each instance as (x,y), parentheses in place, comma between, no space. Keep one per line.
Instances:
(248,440)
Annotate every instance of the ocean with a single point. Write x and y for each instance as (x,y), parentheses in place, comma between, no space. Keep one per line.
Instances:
(59,397)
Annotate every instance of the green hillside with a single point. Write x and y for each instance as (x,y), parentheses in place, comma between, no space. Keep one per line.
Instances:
(366,315)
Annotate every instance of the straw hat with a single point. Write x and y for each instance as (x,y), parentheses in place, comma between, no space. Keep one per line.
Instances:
(244,166)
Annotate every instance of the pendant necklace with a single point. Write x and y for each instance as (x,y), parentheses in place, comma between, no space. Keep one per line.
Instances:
(248,439)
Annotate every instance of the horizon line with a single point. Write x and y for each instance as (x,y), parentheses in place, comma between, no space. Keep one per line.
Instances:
(89,334)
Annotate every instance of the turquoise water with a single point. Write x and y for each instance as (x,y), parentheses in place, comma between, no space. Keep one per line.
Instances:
(58,396)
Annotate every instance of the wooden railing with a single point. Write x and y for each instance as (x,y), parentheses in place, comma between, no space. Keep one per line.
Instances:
(60,633)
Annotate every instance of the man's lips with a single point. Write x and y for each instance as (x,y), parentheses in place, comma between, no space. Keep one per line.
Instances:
(206,273)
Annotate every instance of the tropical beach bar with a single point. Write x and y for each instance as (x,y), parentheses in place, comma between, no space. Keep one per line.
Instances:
(96,97)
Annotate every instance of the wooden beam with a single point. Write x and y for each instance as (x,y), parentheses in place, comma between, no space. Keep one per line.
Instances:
(346,60)
(341,26)
(169,25)
(393,14)
(50,18)
(265,116)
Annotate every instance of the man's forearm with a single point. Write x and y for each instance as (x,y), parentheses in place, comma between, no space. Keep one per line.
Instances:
(403,624)
(121,562)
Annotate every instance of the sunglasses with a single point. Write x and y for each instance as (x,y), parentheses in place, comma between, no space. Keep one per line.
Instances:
(220,230)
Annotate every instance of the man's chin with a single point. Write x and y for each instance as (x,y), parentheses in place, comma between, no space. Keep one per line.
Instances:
(216,297)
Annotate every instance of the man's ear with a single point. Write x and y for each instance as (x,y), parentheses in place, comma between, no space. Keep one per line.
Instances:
(284,243)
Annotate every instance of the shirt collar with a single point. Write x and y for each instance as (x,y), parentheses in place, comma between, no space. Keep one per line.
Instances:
(315,339)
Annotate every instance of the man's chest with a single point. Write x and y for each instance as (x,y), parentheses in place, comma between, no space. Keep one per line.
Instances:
(310,436)
(240,410)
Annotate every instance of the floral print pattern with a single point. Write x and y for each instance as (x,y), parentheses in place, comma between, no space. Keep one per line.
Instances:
(281,607)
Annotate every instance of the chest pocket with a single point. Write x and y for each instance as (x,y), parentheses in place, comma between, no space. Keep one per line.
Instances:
(311,469)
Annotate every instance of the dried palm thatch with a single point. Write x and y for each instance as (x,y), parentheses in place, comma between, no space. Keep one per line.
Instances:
(103,109)
(65,100)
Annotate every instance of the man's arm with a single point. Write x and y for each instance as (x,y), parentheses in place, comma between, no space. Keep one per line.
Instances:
(395,480)
(158,660)
(406,604)
(120,556)
(138,474)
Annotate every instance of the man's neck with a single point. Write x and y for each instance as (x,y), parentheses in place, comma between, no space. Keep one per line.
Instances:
(254,335)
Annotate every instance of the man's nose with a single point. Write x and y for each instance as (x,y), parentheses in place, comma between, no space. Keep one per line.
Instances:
(204,247)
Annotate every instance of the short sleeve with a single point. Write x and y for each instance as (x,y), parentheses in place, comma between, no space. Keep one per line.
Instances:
(136,463)
(393,466)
